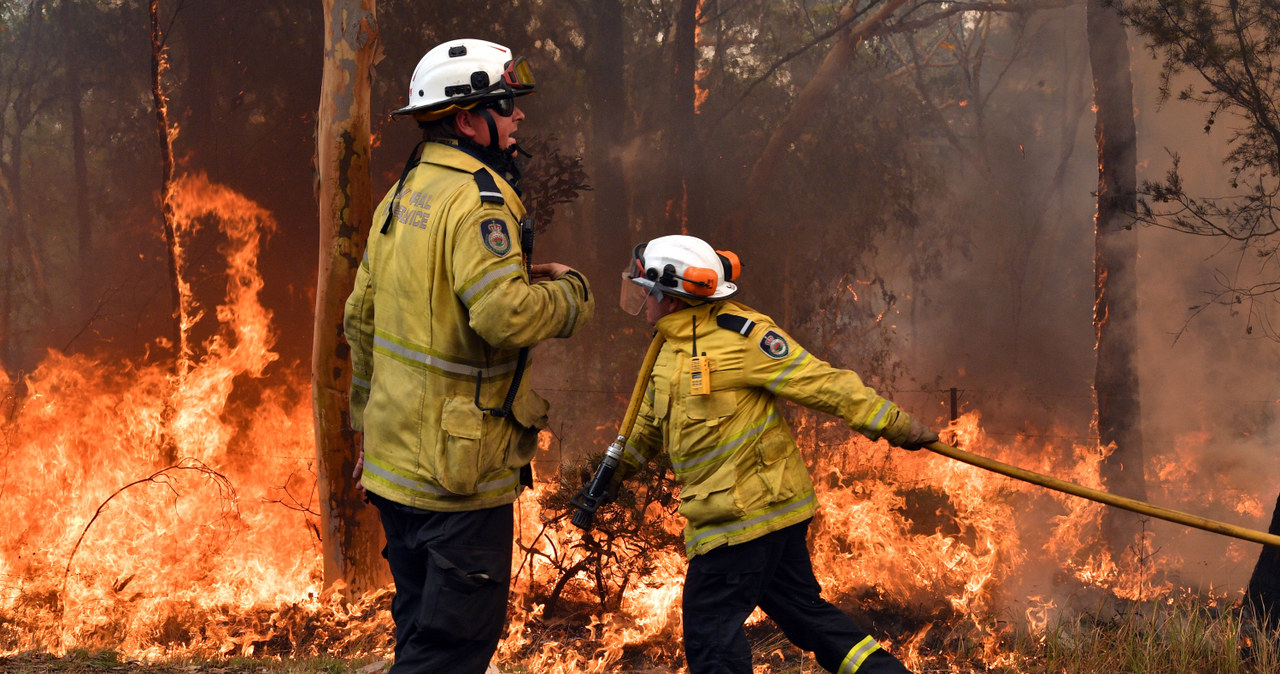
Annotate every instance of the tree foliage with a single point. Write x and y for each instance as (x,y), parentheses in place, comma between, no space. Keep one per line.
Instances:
(1232,53)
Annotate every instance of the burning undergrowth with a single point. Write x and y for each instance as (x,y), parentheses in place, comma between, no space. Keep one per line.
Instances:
(163,513)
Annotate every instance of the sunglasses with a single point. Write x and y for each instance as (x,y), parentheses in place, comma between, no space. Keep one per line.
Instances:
(503,106)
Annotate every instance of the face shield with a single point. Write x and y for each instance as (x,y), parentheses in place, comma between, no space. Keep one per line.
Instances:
(636,289)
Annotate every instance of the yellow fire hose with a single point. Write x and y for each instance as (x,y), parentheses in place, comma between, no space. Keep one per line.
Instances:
(593,495)
(642,383)
(1104,497)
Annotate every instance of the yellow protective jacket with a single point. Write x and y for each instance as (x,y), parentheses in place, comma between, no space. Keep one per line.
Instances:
(740,473)
(441,296)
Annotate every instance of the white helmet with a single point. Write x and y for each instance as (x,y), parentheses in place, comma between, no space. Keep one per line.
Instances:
(459,74)
(684,266)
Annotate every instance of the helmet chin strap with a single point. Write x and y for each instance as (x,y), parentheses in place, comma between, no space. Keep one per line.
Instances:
(501,160)
(493,129)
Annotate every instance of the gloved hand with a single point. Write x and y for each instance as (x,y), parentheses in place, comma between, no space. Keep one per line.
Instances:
(918,435)
(908,433)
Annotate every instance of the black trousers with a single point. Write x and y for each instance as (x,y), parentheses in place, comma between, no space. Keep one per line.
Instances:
(774,572)
(452,572)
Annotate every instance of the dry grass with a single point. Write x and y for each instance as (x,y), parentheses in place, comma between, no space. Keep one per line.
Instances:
(1179,637)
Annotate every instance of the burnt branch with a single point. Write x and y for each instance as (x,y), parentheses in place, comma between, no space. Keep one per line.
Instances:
(162,477)
(620,547)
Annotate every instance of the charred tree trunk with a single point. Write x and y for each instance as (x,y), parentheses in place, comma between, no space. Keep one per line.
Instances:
(20,92)
(1263,594)
(180,305)
(682,147)
(13,232)
(7,342)
(181,364)
(80,169)
(352,532)
(605,76)
(1115,268)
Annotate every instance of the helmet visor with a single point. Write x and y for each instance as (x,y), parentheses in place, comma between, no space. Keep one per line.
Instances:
(517,74)
(633,295)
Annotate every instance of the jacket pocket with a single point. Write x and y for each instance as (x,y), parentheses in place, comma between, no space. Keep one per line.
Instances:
(712,408)
(458,467)
(710,501)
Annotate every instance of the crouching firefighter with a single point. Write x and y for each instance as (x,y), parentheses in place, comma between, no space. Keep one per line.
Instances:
(711,401)
(444,311)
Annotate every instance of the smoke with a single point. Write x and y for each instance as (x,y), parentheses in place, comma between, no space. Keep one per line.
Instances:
(929,264)
(1007,318)
(1209,392)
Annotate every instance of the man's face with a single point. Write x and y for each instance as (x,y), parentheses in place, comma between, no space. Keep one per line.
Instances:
(655,309)
(471,124)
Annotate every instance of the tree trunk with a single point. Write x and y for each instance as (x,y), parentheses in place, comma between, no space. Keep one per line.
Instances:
(12,233)
(159,64)
(352,533)
(806,106)
(8,344)
(1263,594)
(606,76)
(80,171)
(1115,269)
(180,292)
(682,146)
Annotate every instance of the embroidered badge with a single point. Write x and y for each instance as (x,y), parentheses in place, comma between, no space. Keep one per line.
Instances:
(494,234)
(774,345)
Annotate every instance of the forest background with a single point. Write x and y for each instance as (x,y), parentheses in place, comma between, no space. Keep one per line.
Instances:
(930,224)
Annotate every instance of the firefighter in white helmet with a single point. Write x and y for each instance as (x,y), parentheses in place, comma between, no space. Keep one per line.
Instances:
(745,494)
(444,311)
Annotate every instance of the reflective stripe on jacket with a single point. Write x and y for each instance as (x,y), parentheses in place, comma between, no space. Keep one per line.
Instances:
(441,297)
(741,475)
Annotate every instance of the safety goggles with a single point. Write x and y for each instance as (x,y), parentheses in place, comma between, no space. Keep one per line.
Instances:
(517,74)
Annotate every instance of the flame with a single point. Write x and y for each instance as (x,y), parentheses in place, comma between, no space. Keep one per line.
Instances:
(109,546)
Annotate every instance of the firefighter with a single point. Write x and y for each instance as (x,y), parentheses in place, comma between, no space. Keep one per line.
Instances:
(440,322)
(745,494)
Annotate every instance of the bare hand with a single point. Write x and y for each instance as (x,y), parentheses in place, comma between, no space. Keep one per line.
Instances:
(358,472)
(548,271)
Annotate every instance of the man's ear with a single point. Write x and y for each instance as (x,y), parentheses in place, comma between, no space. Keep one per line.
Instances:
(464,122)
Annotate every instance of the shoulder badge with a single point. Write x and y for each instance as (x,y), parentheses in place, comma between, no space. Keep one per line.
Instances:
(493,232)
(774,345)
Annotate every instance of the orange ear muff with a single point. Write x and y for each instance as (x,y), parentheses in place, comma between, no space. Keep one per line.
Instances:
(699,281)
(732,265)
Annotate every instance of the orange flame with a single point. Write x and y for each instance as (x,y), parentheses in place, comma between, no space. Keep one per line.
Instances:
(219,553)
